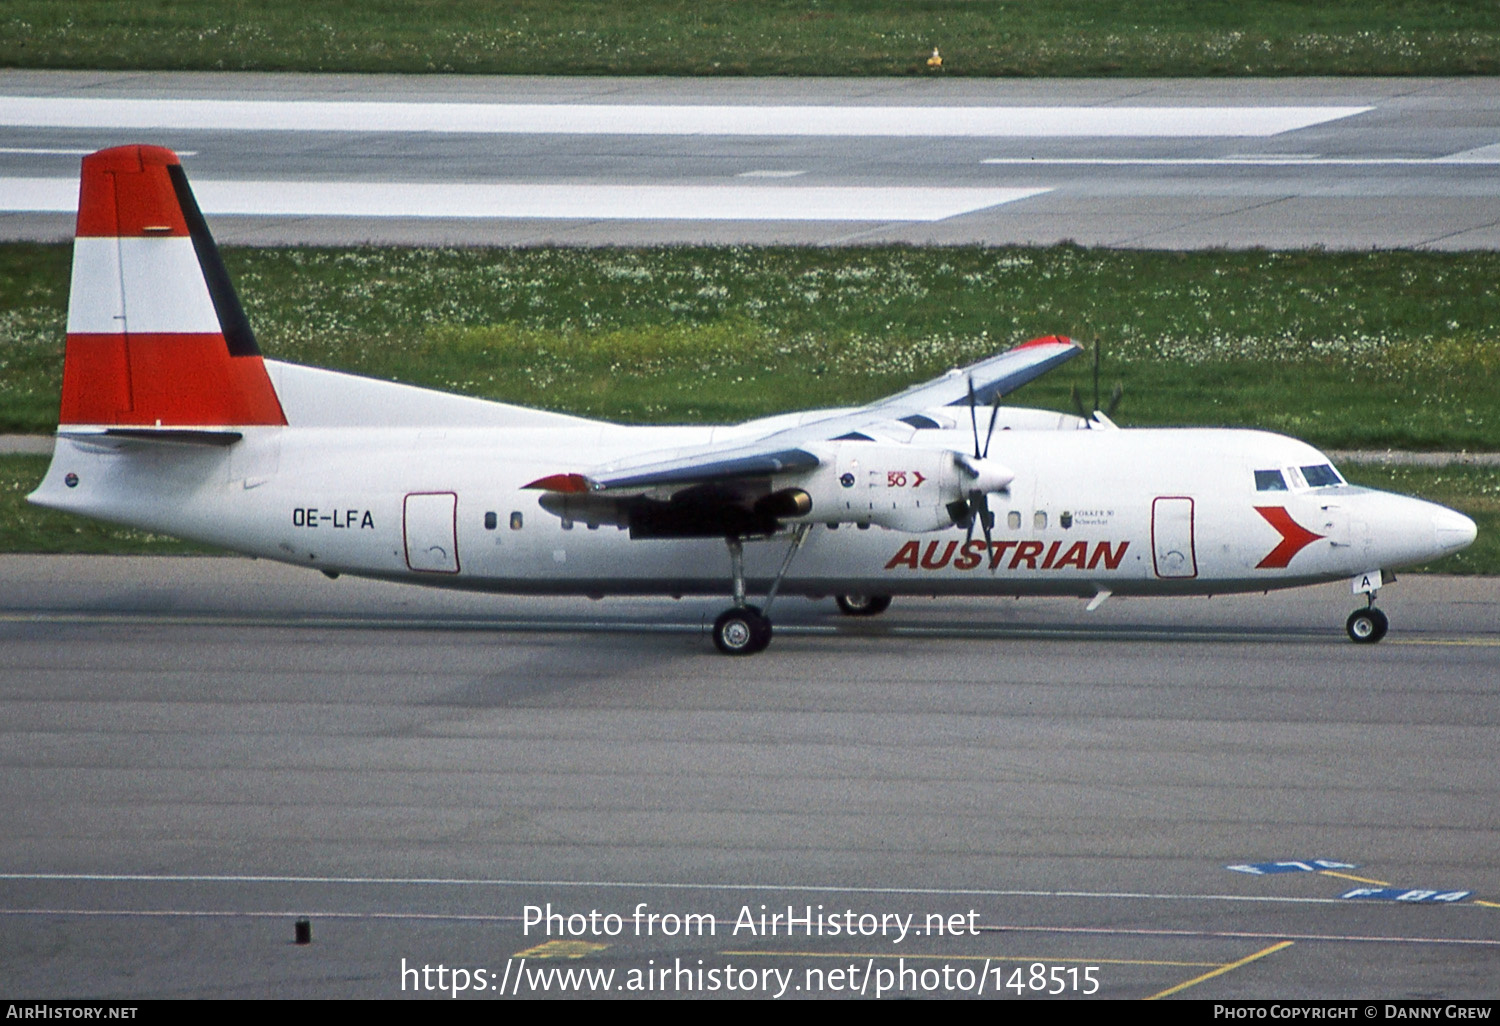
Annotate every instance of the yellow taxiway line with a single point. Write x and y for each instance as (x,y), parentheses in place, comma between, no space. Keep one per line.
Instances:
(1220,971)
(1356,879)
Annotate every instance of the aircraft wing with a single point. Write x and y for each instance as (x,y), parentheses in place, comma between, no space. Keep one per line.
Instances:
(781,451)
(996,375)
(991,377)
(717,465)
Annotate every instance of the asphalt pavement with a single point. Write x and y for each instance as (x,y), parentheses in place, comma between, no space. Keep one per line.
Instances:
(1343,163)
(200,752)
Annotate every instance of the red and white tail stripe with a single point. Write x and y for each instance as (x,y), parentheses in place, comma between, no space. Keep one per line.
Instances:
(156,335)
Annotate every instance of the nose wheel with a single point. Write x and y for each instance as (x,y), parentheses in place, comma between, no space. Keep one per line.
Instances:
(1366,626)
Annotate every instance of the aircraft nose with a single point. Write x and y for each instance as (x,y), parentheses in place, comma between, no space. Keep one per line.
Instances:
(1454,530)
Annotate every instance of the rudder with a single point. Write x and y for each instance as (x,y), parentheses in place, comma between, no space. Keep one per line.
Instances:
(156,334)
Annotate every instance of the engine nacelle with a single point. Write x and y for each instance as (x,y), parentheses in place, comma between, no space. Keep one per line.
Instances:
(903,487)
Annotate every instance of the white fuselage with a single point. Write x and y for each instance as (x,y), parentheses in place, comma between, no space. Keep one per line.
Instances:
(172,420)
(1168,511)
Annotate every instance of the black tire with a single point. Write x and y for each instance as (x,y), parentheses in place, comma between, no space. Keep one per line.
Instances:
(742,631)
(1366,626)
(762,633)
(863,605)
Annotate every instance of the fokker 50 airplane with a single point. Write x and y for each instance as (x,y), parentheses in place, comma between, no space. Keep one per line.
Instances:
(173,422)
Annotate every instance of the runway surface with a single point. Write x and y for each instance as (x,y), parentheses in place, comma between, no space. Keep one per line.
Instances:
(1174,164)
(198,752)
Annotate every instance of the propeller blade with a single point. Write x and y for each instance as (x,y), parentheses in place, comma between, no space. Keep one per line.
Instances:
(1096,372)
(1116,394)
(987,521)
(994,413)
(979,510)
(1078,402)
(970,516)
(974,417)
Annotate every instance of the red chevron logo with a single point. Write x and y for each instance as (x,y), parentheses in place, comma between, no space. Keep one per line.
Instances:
(1294,537)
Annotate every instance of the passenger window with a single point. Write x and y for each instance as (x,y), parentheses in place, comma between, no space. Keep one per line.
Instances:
(515,521)
(1013,520)
(1321,476)
(490,521)
(1039,520)
(1269,481)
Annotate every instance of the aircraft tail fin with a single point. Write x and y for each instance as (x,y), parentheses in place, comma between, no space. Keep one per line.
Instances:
(156,334)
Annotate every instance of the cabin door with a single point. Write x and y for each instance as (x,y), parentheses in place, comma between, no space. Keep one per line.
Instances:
(431,520)
(1172,537)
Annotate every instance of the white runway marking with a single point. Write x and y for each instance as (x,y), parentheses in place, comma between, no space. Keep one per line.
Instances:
(648,885)
(1467,158)
(588,202)
(44,151)
(657,119)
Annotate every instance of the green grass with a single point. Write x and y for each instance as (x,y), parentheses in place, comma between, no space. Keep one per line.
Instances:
(1346,350)
(1471,490)
(27,528)
(763,37)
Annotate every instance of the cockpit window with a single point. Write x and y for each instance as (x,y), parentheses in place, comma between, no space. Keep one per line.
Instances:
(1321,476)
(1269,481)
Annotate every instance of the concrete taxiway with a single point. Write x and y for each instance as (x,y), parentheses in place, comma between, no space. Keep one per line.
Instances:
(1173,164)
(198,752)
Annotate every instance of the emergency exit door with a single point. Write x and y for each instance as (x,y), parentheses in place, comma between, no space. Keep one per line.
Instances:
(431,520)
(1172,537)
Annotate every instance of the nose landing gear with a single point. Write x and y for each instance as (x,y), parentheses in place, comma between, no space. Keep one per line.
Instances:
(1367,626)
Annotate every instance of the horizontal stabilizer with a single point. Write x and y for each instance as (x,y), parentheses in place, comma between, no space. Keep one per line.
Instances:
(116,437)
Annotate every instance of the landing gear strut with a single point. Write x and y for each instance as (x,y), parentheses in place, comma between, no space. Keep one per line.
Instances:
(1367,626)
(744,629)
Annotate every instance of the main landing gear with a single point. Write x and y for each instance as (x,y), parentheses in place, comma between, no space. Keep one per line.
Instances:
(1367,626)
(744,629)
(863,605)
